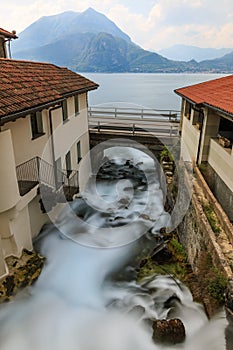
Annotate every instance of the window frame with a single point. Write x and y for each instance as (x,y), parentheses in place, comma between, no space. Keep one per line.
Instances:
(188,109)
(76,105)
(68,163)
(65,116)
(79,152)
(36,122)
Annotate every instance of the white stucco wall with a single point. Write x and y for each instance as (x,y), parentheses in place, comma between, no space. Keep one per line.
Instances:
(8,181)
(24,147)
(189,141)
(221,161)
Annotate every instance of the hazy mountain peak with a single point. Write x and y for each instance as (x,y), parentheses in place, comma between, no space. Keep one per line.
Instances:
(48,29)
(90,10)
(182,52)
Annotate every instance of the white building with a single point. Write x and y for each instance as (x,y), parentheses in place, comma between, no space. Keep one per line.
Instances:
(207,134)
(43,136)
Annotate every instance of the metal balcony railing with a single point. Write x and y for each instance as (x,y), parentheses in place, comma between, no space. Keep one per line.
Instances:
(38,171)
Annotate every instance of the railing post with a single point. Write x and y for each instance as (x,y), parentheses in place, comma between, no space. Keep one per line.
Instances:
(115,110)
(133,129)
(98,126)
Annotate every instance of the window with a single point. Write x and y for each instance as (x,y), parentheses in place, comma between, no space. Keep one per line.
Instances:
(36,124)
(76,105)
(79,154)
(64,111)
(68,164)
(188,109)
(198,116)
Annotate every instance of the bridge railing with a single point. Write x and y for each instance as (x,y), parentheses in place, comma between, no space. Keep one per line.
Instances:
(136,113)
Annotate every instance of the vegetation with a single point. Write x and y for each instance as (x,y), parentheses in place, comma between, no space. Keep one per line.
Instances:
(212,218)
(217,286)
(178,250)
(165,155)
(175,265)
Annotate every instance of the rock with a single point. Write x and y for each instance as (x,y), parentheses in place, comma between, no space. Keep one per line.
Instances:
(162,256)
(168,331)
(23,272)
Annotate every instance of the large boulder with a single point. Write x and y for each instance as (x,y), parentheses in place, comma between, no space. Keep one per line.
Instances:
(168,331)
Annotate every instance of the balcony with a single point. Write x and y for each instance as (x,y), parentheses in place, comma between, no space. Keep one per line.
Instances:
(37,171)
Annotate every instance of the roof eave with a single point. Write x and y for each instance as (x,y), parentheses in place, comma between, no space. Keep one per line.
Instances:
(188,99)
(12,117)
(219,110)
(80,91)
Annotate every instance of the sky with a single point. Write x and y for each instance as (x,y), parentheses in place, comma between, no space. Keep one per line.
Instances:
(152,24)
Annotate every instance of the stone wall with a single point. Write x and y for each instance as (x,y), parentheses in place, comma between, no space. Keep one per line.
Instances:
(201,242)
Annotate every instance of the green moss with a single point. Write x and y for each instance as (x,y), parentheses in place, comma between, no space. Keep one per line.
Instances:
(217,285)
(176,266)
(211,216)
(178,250)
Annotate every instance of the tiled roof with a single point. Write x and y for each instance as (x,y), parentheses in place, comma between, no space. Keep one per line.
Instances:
(25,85)
(217,93)
(7,34)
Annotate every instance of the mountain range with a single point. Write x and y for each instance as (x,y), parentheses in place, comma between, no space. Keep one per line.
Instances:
(90,42)
(181,52)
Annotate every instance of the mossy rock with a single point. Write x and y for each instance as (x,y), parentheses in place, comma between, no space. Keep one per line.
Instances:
(23,272)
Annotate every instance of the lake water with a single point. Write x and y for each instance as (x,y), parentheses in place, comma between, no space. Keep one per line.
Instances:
(147,90)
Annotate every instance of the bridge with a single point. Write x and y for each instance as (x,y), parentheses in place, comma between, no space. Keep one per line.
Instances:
(123,120)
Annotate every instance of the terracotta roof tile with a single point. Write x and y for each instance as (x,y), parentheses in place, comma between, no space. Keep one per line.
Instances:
(7,34)
(26,84)
(217,93)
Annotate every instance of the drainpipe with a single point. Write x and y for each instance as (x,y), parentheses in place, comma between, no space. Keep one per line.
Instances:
(8,41)
(52,142)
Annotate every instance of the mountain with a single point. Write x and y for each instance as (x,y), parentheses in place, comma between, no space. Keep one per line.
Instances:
(49,29)
(100,52)
(187,52)
(219,65)
(90,42)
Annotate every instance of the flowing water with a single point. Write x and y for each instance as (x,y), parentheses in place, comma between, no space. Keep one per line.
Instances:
(87,297)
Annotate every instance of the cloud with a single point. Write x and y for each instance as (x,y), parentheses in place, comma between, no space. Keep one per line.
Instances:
(153,24)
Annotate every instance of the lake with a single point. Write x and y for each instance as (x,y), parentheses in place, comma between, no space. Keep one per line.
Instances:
(147,90)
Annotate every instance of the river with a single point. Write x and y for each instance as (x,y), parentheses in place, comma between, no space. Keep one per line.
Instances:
(88,297)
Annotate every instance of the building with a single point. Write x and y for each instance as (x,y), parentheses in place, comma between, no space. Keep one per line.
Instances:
(207,134)
(5,38)
(43,136)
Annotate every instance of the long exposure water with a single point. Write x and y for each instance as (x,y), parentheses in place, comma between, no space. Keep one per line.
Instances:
(88,297)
